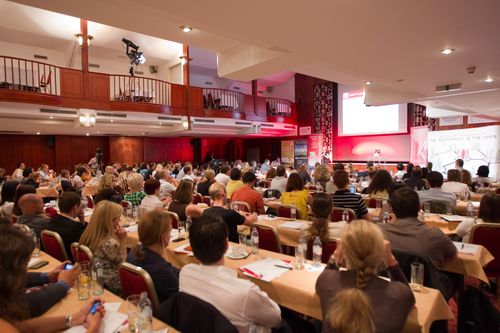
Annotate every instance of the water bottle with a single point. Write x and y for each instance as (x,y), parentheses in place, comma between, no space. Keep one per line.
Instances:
(481,187)
(317,252)
(385,218)
(255,241)
(145,314)
(345,216)
(85,202)
(293,213)
(98,277)
(470,209)
(300,254)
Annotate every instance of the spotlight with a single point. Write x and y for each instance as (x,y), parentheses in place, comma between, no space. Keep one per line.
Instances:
(133,53)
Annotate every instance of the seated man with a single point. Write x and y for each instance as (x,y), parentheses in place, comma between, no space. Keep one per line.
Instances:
(239,300)
(246,193)
(343,198)
(435,193)
(70,222)
(33,213)
(279,182)
(231,217)
(223,175)
(166,186)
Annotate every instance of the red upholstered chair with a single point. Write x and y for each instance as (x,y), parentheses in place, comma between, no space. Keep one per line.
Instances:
(51,212)
(286,210)
(90,201)
(197,198)
(13,219)
(53,245)
(266,183)
(241,206)
(175,219)
(328,249)
(81,253)
(268,238)
(135,280)
(372,203)
(45,82)
(487,235)
(207,200)
(336,215)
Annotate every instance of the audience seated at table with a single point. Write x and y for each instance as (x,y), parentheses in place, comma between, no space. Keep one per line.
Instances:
(248,194)
(230,217)
(306,178)
(33,215)
(223,175)
(398,176)
(181,201)
(321,175)
(415,181)
(489,212)
(167,184)
(18,173)
(154,236)
(108,241)
(109,180)
(482,177)
(343,198)
(380,185)
(152,200)
(466,178)
(408,173)
(107,194)
(435,194)
(356,300)
(321,225)
(44,172)
(296,195)
(70,222)
(207,180)
(15,316)
(135,184)
(8,193)
(78,181)
(453,184)
(279,182)
(239,300)
(32,179)
(235,182)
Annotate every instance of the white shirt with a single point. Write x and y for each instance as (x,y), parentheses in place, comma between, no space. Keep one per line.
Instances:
(44,175)
(17,175)
(166,188)
(436,193)
(330,187)
(455,187)
(77,182)
(190,177)
(465,227)
(151,202)
(399,175)
(239,300)
(279,183)
(222,178)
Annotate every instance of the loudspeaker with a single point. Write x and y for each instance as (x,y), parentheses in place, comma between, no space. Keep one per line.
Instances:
(269,89)
(153,69)
(50,140)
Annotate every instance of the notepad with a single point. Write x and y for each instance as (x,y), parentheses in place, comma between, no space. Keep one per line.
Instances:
(292,225)
(266,269)
(452,218)
(466,248)
(33,261)
(184,249)
(132,228)
(110,323)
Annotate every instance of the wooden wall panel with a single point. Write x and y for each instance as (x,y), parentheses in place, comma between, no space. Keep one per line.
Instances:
(72,150)
(99,86)
(196,101)
(33,150)
(71,83)
(304,99)
(168,149)
(126,149)
(178,96)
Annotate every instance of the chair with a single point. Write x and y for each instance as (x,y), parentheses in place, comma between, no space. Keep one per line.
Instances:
(207,200)
(135,280)
(241,206)
(51,212)
(438,206)
(286,210)
(53,245)
(90,202)
(175,219)
(266,183)
(328,249)
(268,238)
(337,212)
(271,194)
(487,235)
(81,253)
(372,203)
(197,198)
(44,83)
(178,312)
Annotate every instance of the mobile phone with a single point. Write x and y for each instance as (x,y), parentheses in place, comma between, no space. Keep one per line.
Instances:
(94,307)
(39,264)
(68,266)
(178,239)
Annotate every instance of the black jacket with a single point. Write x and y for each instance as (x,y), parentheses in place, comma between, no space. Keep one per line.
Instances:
(39,301)
(69,230)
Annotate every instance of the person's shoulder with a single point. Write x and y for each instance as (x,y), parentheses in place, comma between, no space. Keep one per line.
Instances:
(7,327)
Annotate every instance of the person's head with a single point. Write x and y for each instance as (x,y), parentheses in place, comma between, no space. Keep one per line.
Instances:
(425,173)
(321,205)
(135,182)
(294,183)
(488,208)
(459,163)
(225,168)
(249,178)
(209,175)
(105,218)
(9,191)
(465,177)
(435,179)
(44,167)
(65,173)
(409,167)
(400,167)
(27,172)
(208,238)
(381,182)
(31,204)
(280,171)
(69,203)
(416,172)
(110,169)
(21,166)
(217,191)
(429,166)
(483,171)
(405,203)
(165,174)
(152,186)
(372,171)
(341,179)
(271,173)
(15,253)
(303,167)
(338,166)
(154,229)
(20,191)
(235,174)
(453,175)
(107,194)
(184,192)
(107,181)
(80,171)
(187,170)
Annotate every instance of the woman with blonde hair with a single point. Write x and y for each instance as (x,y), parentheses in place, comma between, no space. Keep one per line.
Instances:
(154,236)
(204,184)
(135,184)
(181,201)
(356,300)
(108,241)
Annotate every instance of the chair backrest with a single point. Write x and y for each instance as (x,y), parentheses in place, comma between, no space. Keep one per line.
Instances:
(271,194)
(53,245)
(90,201)
(135,280)
(268,238)
(266,183)
(241,206)
(438,206)
(488,235)
(372,203)
(327,251)
(178,312)
(175,219)
(45,82)
(81,253)
(197,198)
(207,200)
(51,212)
(286,210)
(337,212)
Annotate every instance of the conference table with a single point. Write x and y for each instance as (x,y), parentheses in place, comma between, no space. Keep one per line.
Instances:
(71,303)
(47,192)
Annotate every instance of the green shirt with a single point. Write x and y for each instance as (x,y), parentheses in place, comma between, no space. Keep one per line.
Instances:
(135,197)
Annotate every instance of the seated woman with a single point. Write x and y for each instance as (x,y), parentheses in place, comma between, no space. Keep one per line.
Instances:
(78,181)
(453,184)
(181,201)
(154,236)
(380,185)
(109,180)
(8,193)
(204,184)
(135,184)
(488,212)
(357,300)
(482,178)
(321,226)
(466,178)
(296,195)
(416,181)
(108,241)
(15,250)
(152,200)
(235,182)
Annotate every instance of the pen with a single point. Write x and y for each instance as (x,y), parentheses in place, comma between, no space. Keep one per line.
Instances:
(283,266)
(463,246)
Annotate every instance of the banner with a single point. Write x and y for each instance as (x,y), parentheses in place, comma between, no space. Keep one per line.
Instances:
(305,130)
(418,148)
(287,148)
(314,149)
(476,146)
(300,152)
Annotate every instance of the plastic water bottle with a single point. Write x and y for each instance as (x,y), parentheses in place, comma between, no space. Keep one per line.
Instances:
(255,241)
(385,218)
(293,213)
(98,277)
(145,314)
(470,209)
(317,252)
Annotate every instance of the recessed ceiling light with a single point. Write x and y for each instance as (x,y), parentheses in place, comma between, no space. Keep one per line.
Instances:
(87,134)
(37,133)
(51,117)
(447,51)
(111,120)
(489,79)
(368,82)
(185,28)
(160,123)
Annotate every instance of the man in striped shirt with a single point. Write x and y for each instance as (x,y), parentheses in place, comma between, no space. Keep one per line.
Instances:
(343,198)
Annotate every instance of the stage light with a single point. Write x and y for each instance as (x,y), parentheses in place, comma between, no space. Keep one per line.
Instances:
(133,53)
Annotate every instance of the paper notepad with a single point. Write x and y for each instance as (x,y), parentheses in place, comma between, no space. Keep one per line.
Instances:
(184,249)
(466,248)
(266,217)
(33,261)
(110,323)
(292,225)
(267,269)
(132,228)
(452,218)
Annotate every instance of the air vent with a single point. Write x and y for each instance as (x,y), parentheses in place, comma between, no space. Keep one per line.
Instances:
(290,127)
(113,115)
(39,56)
(54,111)
(94,65)
(11,132)
(108,134)
(278,49)
(208,83)
(139,72)
(242,123)
(267,125)
(168,118)
(208,121)
(448,87)
(236,88)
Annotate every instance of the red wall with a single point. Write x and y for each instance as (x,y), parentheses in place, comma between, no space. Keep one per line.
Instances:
(223,148)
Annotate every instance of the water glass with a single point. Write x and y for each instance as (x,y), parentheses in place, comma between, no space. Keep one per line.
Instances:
(83,285)
(449,209)
(132,311)
(417,276)
(36,250)
(298,263)
(182,229)
(427,209)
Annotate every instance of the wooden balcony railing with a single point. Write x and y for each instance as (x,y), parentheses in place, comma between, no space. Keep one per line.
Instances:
(223,99)
(126,88)
(28,75)
(278,107)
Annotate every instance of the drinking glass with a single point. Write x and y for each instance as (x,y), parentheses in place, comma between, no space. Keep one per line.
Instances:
(298,263)
(427,209)
(417,276)
(132,312)
(182,229)
(83,285)
(243,242)
(449,209)
(36,250)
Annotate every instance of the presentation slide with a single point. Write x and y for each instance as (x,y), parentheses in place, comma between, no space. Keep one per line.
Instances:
(355,118)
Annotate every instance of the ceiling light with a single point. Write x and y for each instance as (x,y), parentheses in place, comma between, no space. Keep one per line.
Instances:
(111,120)
(37,133)
(87,134)
(51,117)
(368,82)
(79,37)
(447,51)
(185,28)
(87,117)
(489,79)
